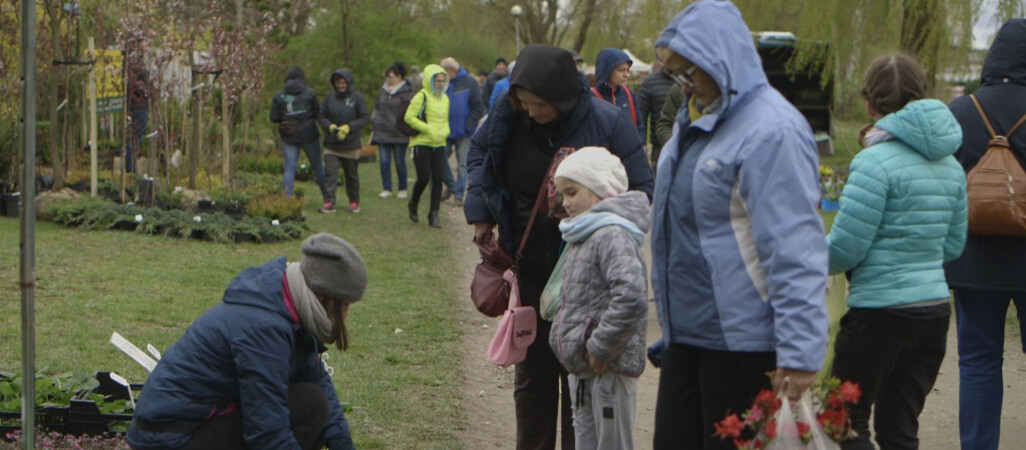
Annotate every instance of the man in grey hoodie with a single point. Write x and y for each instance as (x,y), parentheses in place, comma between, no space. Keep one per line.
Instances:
(295,109)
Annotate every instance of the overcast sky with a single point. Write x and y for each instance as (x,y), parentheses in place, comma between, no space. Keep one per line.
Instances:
(986,26)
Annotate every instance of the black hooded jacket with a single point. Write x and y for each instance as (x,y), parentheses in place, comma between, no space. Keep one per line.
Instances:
(296,102)
(344,108)
(994,263)
(510,142)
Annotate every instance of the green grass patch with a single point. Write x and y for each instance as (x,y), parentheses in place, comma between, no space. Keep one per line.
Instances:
(401,387)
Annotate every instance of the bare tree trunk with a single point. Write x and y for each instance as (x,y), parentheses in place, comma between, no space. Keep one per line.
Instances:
(919,35)
(55,144)
(582,33)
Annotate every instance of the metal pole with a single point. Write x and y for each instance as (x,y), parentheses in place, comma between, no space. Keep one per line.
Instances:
(516,24)
(28,224)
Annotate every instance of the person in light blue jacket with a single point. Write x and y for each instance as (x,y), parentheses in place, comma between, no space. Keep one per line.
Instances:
(739,255)
(903,214)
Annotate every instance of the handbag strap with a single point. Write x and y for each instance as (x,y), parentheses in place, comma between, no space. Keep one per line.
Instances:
(534,214)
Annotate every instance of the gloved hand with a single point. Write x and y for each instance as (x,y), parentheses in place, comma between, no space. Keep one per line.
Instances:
(655,353)
(345,443)
(341,132)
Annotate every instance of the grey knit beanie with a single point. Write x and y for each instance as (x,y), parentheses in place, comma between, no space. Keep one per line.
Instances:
(332,267)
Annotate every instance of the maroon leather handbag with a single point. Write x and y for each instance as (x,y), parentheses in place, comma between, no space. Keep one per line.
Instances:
(490,289)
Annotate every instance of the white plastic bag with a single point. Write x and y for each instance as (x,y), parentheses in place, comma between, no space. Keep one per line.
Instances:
(787,427)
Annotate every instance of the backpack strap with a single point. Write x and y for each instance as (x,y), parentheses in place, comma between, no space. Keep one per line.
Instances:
(990,128)
(630,101)
(594,90)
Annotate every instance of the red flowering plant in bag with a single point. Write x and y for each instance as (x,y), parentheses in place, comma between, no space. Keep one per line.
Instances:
(757,428)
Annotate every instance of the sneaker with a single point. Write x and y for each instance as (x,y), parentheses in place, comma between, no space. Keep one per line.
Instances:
(354,207)
(328,208)
(385,194)
(402,194)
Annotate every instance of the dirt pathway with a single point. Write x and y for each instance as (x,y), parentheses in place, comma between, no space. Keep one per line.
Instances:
(487,393)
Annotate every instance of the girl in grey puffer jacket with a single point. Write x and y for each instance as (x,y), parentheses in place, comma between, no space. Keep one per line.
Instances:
(599,331)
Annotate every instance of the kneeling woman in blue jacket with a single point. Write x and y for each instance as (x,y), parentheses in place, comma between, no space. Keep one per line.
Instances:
(903,214)
(247,373)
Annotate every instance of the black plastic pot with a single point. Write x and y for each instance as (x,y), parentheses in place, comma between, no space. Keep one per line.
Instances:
(147,193)
(10,201)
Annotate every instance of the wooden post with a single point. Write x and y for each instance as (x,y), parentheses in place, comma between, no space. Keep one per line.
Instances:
(93,131)
(226,139)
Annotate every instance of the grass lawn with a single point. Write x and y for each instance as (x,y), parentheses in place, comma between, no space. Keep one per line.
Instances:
(401,387)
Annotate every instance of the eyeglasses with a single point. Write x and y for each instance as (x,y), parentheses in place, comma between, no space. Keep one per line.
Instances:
(684,77)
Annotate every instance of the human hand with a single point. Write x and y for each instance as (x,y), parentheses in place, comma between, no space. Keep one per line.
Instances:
(344,127)
(596,365)
(341,133)
(792,382)
(483,232)
(333,128)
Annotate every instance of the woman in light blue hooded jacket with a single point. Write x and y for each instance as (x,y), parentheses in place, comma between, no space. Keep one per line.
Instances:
(739,256)
(903,214)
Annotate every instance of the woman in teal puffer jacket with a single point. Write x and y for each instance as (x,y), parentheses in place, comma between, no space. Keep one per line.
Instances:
(903,214)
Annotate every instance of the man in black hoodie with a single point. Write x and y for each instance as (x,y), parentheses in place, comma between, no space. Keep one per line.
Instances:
(547,112)
(990,271)
(295,110)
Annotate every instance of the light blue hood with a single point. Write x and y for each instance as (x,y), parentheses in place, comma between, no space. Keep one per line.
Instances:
(927,126)
(725,52)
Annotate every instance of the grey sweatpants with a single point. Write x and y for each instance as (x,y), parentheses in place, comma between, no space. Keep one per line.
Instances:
(603,407)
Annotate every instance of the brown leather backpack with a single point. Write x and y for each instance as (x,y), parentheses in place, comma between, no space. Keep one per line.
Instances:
(996,187)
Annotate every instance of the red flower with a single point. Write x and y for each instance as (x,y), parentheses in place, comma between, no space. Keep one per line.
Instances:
(765,397)
(803,430)
(731,427)
(742,444)
(771,429)
(850,392)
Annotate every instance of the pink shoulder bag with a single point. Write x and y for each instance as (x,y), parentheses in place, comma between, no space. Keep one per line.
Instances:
(516,330)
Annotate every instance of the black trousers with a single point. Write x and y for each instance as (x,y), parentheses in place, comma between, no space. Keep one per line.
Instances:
(351,167)
(430,165)
(895,362)
(699,387)
(308,414)
(541,392)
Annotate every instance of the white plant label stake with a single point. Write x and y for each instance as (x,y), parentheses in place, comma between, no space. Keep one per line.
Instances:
(122,381)
(132,351)
(153,351)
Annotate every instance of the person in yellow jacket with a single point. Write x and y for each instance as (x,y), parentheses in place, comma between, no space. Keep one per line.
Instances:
(428,113)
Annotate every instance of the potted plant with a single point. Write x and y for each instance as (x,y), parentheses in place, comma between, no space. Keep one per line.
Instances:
(831,183)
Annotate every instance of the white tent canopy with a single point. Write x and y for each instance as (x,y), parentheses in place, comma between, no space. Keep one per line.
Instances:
(638,66)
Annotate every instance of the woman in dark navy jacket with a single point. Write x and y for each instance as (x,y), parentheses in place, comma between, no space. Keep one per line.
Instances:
(247,374)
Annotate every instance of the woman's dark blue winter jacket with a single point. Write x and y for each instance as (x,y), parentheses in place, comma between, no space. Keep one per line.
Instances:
(243,353)
(593,122)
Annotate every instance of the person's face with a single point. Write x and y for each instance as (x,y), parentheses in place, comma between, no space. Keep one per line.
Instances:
(392,79)
(439,81)
(618,77)
(341,84)
(689,76)
(577,199)
(537,109)
(500,68)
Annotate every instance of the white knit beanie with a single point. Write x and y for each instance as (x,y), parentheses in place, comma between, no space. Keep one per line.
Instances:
(596,169)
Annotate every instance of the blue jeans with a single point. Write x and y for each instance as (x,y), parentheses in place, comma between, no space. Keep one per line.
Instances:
(313,152)
(135,140)
(458,185)
(388,152)
(980,317)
